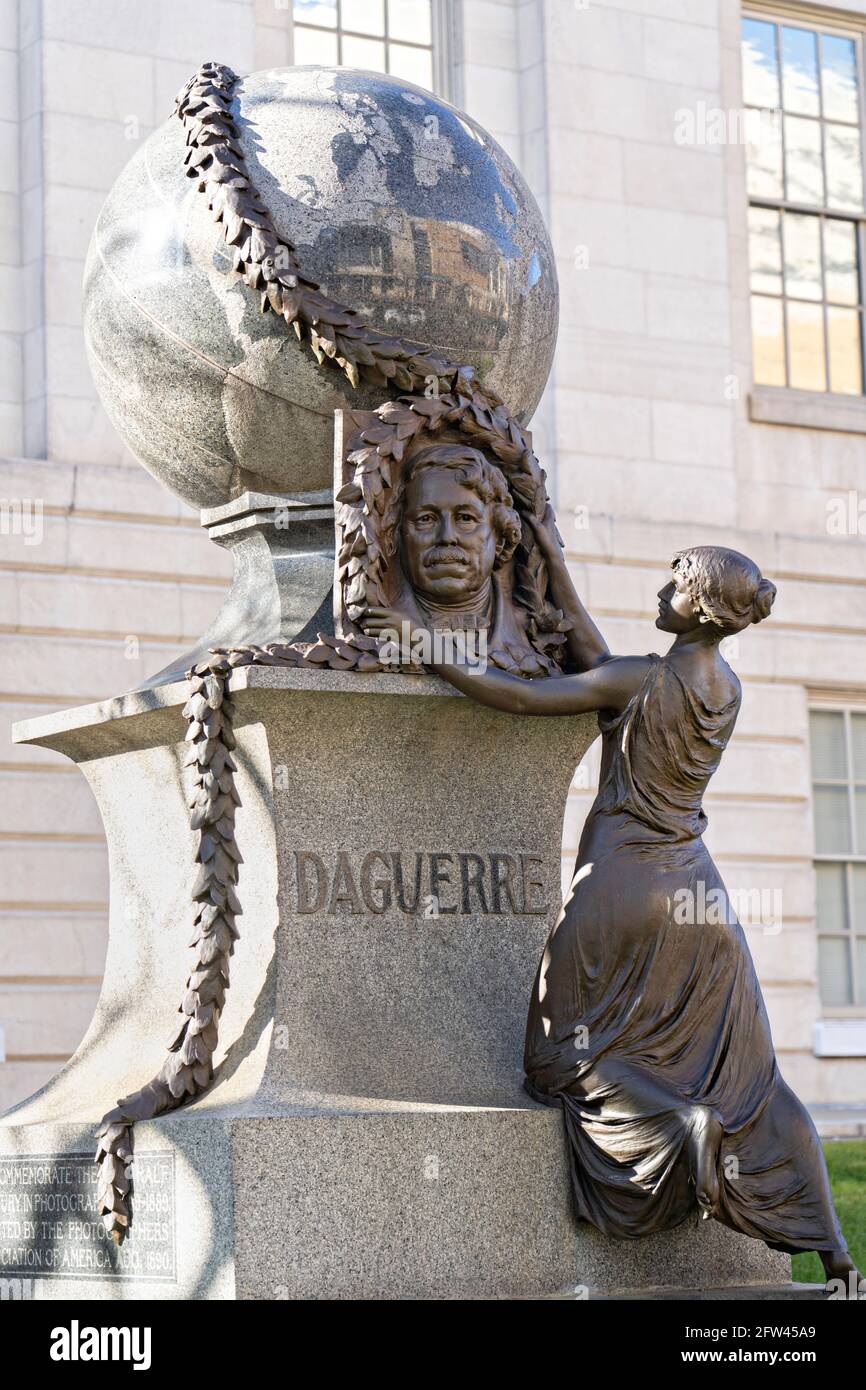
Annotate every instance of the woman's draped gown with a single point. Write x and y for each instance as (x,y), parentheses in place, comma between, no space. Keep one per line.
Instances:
(638,1013)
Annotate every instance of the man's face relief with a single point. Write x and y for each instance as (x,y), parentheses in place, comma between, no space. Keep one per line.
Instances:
(448,541)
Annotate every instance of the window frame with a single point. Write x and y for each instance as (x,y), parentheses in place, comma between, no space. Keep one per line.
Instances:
(847,708)
(439,47)
(814,20)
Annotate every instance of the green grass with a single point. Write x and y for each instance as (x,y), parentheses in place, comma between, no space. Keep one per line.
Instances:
(846,1164)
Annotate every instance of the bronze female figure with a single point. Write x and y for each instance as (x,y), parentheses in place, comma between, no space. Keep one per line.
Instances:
(650,1032)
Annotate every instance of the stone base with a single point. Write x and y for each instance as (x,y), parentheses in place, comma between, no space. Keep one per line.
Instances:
(400,1202)
(735,1293)
(367,1135)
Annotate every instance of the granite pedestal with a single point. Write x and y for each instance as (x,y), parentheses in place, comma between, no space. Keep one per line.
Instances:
(367,1135)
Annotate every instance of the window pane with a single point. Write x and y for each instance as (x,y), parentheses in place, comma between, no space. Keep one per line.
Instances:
(858,745)
(315,46)
(838,78)
(323,12)
(806,366)
(364,16)
(860,818)
(765,250)
(760,70)
(832,915)
(764,158)
(805,176)
(363,53)
(802,256)
(834,971)
(840,261)
(800,71)
(858,907)
(861,970)
(768,341)
(844,167)
(843,349)
(412,64)
(827,739)
(410,20)
(832,827)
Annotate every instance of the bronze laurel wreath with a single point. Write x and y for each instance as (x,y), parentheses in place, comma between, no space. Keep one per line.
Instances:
(361,563)
(337,336)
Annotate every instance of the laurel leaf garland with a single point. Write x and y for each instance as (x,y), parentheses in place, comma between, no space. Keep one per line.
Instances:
(188,1068)
(487,426)
(334,333)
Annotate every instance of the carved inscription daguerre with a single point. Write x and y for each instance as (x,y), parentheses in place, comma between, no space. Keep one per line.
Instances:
(419,884)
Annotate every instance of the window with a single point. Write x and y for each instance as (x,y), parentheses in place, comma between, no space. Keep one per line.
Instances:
(393,36)
(838,739)
(802,90)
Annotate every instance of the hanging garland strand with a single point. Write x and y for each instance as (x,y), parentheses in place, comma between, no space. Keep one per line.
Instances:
(188,1069)
(269,263)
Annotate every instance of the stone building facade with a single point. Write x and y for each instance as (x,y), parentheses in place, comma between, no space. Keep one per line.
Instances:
(665,423)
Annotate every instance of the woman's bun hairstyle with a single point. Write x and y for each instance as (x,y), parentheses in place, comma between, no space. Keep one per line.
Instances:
(727,588)
(763,600)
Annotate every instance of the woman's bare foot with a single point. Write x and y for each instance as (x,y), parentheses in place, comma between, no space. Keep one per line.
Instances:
(705,1139)
(844,1280)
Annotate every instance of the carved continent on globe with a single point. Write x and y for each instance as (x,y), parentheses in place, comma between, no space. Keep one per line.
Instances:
(400,207)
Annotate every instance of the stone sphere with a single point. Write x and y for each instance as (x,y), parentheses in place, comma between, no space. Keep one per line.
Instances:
(399,206)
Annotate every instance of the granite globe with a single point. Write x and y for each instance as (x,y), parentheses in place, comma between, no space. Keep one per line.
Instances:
(401,207)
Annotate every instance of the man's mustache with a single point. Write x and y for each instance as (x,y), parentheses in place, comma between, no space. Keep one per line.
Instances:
(445,555)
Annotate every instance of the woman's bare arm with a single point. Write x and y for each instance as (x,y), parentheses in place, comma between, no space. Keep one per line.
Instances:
(608,686)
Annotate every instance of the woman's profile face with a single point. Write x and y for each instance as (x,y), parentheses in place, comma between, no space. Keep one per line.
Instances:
(677,612)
